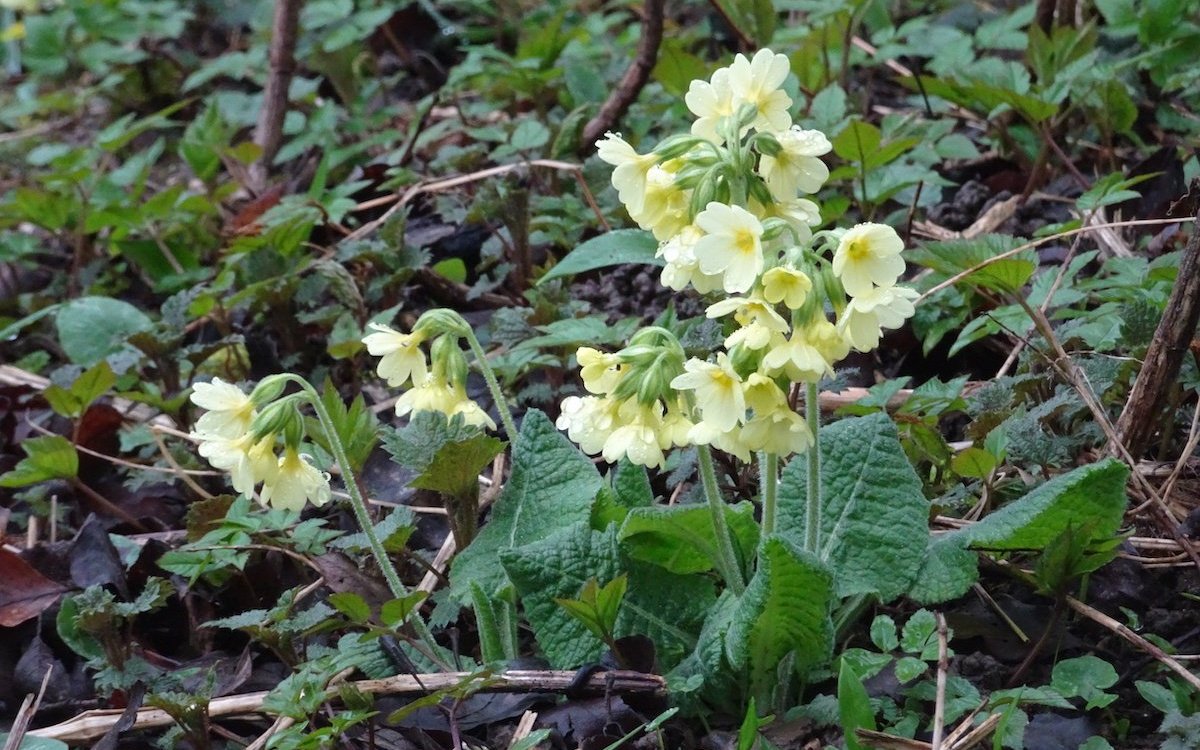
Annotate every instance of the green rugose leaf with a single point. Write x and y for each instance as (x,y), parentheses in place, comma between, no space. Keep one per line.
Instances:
(614,248)
(666,608)
(854,705)
(874,519)
(91,328)
(681,538)
(551,488)
(785,608)
(47,457)
(1091,497)
(951,257)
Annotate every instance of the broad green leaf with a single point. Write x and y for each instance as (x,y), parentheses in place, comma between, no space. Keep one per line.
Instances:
(614,248)
(351,605)
(784,609)
(47,457)
(973,462)
(874,516)
(632,484)
(919,635)
(883,633)
(91,328)
(947,570)
(681,538)
(455,467)
(551,488)
(1092,494)
(703,669)
(667,608)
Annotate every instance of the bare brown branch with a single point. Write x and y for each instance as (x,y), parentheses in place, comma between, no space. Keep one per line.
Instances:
(268,134)
(634,79)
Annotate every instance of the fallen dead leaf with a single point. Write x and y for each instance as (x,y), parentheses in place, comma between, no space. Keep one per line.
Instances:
(24,592)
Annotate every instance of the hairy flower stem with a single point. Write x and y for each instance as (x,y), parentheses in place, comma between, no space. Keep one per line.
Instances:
(768,469)
(812,519)
(493,385)
(359,506)
(726,558)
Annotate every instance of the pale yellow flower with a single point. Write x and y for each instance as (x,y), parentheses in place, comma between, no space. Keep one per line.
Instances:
(637,436)
(800,214)
(296,482)
(756,81)
(229,411)
(787,285)
(589,421)
(437,394)
(758,321)
(730,441)
(600,371)
(664,209)
(862,321)
(629,177)
(718,391)
(681,266)
(247,462)
(780,431)
(868,255)
(797,358)
(796,168)
(402,358)
(731,246)
(711,102)
(675,428)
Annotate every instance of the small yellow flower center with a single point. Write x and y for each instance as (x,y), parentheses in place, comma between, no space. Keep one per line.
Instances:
(859,250)
(744,241)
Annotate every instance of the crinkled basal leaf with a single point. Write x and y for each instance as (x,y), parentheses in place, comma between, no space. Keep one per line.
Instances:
(551,488)
(1090,496)
(665,607)
(632,485)
(785,609)
(874,519)
(681,538)
(614,248)
(91,328)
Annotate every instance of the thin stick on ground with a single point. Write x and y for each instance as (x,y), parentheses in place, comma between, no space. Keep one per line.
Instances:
(634,79)
(943,666)
(1104,620)
(92,724)
(25,714)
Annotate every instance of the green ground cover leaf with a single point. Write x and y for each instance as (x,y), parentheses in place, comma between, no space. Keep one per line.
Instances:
(552,487)
(91,328)
(614,248)
(47,457)
(874,523)
(667,608)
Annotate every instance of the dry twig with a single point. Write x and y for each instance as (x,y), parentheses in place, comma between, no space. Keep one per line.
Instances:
(634,79)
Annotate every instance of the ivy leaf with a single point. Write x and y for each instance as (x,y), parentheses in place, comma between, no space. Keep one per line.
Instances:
(785,608)
(551,488)
(91,328)
(874,519)
(47,457)
(664,607)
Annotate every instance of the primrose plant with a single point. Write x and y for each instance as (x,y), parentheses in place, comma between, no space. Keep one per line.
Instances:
(725,201)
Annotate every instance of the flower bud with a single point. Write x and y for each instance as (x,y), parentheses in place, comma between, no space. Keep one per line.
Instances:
(773,229)
(767,144)
(441,320)
(276,418)
(675,146)
(705,191)
(448,361)
(268,389)
(760,192)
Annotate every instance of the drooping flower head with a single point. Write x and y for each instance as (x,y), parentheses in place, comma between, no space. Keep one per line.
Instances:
(402,358)
(295,483)
(229,411)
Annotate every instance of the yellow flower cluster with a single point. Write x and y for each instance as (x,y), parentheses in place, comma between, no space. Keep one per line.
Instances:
(726,203)
(438,386)
(230,441)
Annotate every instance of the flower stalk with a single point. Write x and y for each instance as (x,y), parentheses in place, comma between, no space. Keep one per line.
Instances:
(812,520)
(726,556)
(768,469)
(489,376)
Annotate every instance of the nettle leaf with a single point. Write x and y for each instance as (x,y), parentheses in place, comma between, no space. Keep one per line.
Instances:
(666,608)
(91,328)
(951,257)
(874,519)
(551,488)
(1091,496)
(47,457)
(681,538)
(785,609)
(614,248)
